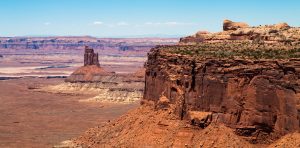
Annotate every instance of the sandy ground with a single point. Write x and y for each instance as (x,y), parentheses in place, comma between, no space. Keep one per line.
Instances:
(38,119)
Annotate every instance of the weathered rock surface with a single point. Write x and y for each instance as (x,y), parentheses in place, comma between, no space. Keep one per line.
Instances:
(191,91)
(109,86)
(230,25)
(90,58)
(251,95)
(146,127)
(281,34)
(90,73)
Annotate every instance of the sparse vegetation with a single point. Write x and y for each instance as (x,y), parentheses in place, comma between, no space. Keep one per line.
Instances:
(231,50)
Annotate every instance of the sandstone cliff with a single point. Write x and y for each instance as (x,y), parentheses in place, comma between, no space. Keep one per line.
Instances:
(253,87)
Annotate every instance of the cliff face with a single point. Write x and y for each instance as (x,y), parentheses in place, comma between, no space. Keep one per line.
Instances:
(248,89)
(245,77)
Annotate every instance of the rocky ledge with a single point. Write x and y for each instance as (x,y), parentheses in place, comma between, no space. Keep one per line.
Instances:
(251,87)
(280,34)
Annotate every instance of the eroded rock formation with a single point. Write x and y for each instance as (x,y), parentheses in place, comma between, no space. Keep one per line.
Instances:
(253,87)
(230,25)
(90,58)
(192,91)
(110,87)
(280,33)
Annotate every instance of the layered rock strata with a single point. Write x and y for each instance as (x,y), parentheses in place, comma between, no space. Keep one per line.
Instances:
(245,77)
(281,34)
(249,87)
(71,43)
(108,86)
(90,58)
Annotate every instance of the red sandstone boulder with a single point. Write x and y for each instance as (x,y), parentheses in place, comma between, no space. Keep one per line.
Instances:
(91,71)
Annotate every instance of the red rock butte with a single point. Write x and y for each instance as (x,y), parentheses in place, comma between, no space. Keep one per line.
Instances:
(91,71)
(90,58)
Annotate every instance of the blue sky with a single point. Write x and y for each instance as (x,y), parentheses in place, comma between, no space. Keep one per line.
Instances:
(129,18)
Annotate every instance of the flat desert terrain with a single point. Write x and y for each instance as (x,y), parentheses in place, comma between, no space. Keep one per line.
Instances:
(30,118)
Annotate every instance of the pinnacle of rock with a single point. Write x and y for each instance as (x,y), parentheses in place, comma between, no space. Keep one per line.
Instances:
(90,58)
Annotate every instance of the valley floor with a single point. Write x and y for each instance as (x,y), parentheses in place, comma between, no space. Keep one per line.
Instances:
(29,118)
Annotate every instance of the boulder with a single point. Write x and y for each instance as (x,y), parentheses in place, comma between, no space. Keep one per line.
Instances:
(230,25)
(198,118)
(281,26)
(163,102)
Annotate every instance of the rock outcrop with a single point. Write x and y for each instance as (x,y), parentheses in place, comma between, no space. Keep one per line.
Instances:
(110,87)
(281,34)
(90,58)
(91,71)
(230,25)
(251,87)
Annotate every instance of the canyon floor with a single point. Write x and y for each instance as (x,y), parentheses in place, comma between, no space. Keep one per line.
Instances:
(35,117)
(39,119)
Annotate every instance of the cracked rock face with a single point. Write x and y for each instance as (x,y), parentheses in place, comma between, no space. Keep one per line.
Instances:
(244,93)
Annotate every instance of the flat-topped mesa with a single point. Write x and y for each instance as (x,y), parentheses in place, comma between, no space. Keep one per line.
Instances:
(90,58)
(247,78)
(279,34)
(251,90)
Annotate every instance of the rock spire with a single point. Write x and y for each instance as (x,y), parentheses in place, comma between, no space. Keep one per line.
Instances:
(90,58)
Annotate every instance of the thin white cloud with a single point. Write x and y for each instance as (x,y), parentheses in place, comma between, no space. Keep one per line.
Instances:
(98,23)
